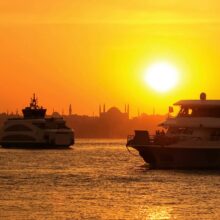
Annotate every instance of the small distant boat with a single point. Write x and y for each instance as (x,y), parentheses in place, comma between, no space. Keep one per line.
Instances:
(35,130)
(192,139)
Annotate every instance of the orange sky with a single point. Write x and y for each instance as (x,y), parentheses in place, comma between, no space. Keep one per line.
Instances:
(91,51)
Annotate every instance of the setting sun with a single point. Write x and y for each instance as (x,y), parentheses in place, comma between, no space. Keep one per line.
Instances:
(161,77)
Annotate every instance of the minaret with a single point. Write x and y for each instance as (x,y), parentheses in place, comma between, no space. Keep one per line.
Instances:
(100,110)
(125,108)
(128,110)
(70,109)
(104,108)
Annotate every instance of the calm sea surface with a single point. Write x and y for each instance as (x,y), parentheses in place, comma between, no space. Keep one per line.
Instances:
(99,179)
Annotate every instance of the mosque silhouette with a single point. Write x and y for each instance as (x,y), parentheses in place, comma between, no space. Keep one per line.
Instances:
(109,123)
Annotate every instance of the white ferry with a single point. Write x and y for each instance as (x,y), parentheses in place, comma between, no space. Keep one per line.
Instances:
(35,130)
(191,140)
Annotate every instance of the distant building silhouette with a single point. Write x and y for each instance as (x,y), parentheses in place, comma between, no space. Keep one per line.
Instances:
(56,115)
(114,114)
(112,123)
(70,109)
(127,110)
(100,110)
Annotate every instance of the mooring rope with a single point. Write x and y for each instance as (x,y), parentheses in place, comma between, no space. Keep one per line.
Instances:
(136,155)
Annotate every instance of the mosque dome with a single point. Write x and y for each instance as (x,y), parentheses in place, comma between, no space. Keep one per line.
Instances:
(113,111)
(56,115)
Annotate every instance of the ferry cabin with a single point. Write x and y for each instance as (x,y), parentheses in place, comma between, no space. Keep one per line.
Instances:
(196,118)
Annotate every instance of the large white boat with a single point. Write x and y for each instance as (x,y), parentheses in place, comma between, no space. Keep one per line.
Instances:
(36,130)
(191,140)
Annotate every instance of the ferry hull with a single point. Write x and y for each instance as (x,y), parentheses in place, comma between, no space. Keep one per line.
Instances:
(162,157)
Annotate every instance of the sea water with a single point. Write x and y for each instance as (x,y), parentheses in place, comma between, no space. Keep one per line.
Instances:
(100,179)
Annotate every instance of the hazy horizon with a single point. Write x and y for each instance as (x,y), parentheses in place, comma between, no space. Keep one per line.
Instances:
(93,52)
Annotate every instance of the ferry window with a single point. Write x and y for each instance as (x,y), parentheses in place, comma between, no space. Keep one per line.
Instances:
(188,131)
(199,112)
(18,128)
(215,112)
(18,138)
(206,112)
(185,131)
(61,125)
(216,133)
(39,125)
(184,112)
(173,130)
(190,111)
(181,130)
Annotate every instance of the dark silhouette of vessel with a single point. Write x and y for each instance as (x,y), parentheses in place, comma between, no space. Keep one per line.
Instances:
(35,130)
(192,139)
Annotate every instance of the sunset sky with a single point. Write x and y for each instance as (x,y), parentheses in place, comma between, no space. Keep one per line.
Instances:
(91,52)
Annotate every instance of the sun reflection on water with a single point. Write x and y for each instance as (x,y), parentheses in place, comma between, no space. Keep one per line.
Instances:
(155,213)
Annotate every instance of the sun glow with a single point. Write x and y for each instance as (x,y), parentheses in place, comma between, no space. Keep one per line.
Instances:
(161,77)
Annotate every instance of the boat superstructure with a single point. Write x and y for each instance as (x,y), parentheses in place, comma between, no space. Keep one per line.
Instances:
(34,129)
(192,138)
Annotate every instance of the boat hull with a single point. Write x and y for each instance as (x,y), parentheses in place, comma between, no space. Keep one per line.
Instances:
(165,157)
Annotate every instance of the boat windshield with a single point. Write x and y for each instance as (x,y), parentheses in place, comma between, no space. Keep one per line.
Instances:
(199,112)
